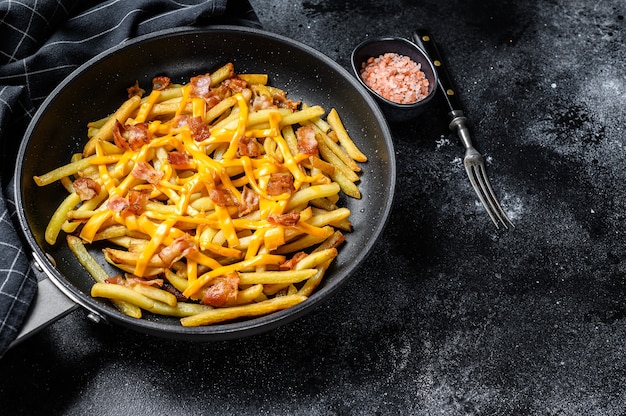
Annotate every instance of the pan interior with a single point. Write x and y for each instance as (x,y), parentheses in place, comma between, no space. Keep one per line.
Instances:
(97,88)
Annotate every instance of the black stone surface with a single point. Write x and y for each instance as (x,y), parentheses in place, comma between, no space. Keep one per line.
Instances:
(448,316)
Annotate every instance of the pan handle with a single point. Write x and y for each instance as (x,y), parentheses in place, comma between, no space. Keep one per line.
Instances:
(49,305)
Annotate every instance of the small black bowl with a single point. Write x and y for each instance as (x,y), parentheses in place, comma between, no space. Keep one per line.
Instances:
(379,46)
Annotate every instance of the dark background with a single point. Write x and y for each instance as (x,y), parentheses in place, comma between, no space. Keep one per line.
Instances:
(448,316)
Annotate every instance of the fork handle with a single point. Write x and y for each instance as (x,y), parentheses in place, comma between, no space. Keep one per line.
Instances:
(458,123)
(425,40)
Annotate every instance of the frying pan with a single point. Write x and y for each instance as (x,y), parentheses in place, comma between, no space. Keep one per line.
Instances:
(99,86)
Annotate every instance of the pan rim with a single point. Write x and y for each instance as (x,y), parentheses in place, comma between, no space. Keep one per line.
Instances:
(226,330)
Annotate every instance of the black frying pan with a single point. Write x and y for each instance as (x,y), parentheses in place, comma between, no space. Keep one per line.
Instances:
(98,87)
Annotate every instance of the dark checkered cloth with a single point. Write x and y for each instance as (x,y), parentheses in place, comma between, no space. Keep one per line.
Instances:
(41,42)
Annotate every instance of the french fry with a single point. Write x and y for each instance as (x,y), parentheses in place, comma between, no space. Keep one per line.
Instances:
(222,73)
(155,293)
(347,186)
(181,309)
(273,277)
(130,258)
(121,293)
(53,227)
(316,258)
(311,284)
(337,125)
(180,283)
(247,295)
(63,171)
(265,307)
(105,133)
(260,79)
(341,154)
(340,167)
(303,196)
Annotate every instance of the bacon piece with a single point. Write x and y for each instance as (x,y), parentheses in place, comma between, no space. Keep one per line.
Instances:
(249,201)
(235,84)
(114,280)
(291,263)
(86,188)
(281,101)
(131,137)
(307,143)
(248,146)
(212,101)
(135,203)
(222,197)
(262,102)
(280,183)
(181,120)
(179,160)
(135,90)
(118,136)
(117,203)
(199,129)
(222,290)
(288,220)
(160,83)
(201,85)
(137,200)
(145,171)
(131,279)
(138,135)
(179,248)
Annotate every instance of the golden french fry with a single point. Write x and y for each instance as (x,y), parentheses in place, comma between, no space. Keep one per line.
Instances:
(337,125)
(300,244)
(316,258)
(302,115)
(347,186)
(63,171)
(327,168)
(336,161)
(156,294)
(222,73)
(247,295)
(180,283)
(216,315)
(169,107)
(98,273)
(123,293)
(329,145)
(105,133)
(312,192)
(311,284)
(130,258)
(181,309)
(273,277)
(94,268)
(113,231)
(59,217)
(260,79)
(322,217)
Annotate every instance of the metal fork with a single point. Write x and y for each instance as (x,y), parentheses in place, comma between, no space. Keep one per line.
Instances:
(474,162)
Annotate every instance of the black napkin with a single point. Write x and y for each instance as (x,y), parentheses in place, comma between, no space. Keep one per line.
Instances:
(41,42)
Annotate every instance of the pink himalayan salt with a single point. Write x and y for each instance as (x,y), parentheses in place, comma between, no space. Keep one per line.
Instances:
(395,77)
